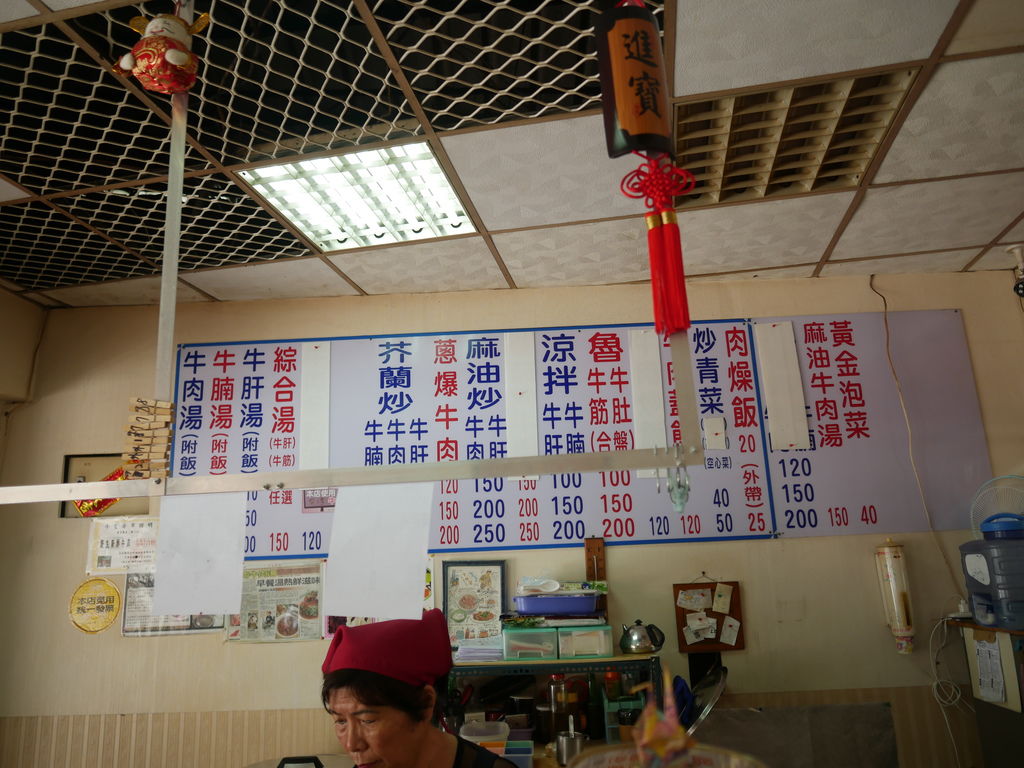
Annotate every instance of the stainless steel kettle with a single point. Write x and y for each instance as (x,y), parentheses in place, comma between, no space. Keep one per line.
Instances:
(641,638)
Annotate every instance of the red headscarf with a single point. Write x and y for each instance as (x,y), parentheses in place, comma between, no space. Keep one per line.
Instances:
(415,651)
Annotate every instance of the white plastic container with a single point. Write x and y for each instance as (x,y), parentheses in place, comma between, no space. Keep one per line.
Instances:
(488,731)
(581,642)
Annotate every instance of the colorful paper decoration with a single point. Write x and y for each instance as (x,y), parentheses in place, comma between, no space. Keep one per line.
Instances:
(636,119)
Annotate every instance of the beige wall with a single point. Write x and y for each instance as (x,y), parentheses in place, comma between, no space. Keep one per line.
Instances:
(813,617)
(21,323)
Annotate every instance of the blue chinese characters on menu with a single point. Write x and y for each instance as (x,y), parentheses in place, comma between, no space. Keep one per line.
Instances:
(238,413)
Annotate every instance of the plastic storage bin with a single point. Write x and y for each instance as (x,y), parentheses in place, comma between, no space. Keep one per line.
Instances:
(531,643)
(555,604)
(581,642)
(487,731)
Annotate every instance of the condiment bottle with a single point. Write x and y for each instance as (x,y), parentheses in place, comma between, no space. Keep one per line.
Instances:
(559,704)
(612,685)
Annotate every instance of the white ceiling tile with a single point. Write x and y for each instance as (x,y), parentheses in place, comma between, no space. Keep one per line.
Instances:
(948,261)
(462,264)
(932,215)
(996,258)
(968,120)
(990,24)
(10,192)
(805,270)
(544,173)
(143,290)
(1015,235)
(763,234)
(16,9)
(740,43)
(584,254)
(292,279)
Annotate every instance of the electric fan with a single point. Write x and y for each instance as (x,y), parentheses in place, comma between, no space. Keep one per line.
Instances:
(1000,495)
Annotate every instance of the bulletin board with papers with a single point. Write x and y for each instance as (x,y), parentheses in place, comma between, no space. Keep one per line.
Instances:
(709,616)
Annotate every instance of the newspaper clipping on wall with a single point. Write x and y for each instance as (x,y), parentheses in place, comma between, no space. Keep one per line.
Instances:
(280,602)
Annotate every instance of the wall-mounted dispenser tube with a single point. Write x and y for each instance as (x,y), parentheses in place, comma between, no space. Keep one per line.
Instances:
(891,566)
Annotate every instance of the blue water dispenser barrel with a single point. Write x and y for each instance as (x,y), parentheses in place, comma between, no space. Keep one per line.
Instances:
(994,572)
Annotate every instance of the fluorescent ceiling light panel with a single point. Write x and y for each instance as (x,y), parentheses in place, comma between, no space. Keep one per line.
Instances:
(374,197)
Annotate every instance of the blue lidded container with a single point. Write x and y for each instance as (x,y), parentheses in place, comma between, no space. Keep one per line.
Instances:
(1005,525)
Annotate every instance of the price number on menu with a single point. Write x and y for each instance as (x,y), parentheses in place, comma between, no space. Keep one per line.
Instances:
(617,505)
(568,508)
(448,512)
(529,511)
(797,490)
(488,512)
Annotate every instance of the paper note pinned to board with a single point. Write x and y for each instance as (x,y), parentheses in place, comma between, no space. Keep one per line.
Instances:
(690,636)
(694,599)
(710,632)
(723,598)
(730,630)
(697,621)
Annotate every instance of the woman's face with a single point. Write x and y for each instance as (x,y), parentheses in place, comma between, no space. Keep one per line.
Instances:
(375,735)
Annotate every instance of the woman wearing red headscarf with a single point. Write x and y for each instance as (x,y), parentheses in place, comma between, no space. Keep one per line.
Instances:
(379,686)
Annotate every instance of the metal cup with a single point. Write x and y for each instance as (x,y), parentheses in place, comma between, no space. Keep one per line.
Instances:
(568,745)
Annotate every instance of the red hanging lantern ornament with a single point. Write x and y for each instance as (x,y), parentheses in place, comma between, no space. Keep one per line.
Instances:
(636,119)
(162,60)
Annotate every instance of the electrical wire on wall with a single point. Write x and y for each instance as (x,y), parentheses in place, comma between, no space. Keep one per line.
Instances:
(955,578)
(946,692)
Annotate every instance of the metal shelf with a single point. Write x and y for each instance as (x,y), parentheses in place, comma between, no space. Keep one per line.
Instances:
(649,664)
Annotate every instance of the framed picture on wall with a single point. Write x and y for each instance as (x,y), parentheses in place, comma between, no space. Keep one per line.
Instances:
(474,599)
(94,468)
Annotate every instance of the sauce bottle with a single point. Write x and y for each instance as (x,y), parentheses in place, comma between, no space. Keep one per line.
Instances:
(559,704)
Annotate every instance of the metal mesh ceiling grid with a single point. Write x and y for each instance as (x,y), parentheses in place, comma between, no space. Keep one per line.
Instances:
(41,248)
(276,81)
(220,224)
(477,62)
(786,140)
(69,124)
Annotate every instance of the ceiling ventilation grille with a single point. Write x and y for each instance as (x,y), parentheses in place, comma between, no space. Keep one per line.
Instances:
(785,141)
(479,62)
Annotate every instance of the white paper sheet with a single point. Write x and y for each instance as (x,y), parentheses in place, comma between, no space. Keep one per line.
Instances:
(694,599)
(730,630)
(697,621)
(990,671)
(723,598)
(379,538)
(199,554)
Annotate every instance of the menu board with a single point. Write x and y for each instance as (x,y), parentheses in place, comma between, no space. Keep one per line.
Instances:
(421,398)
(238,412)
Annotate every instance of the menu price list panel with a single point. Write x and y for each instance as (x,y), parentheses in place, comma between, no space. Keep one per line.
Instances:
(444,397)
(585,404)
(237,412)
(857,476)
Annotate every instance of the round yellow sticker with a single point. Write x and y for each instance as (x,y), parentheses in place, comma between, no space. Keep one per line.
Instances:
(95,605)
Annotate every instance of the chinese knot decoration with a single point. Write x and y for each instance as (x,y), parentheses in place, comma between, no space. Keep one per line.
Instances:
(636,119)
(162,60)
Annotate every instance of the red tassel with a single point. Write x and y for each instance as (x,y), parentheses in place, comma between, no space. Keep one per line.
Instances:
(677,309)
(668,283)
(657,181)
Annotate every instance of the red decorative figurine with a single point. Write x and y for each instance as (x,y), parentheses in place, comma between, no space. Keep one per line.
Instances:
(636,119)
(163,60)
